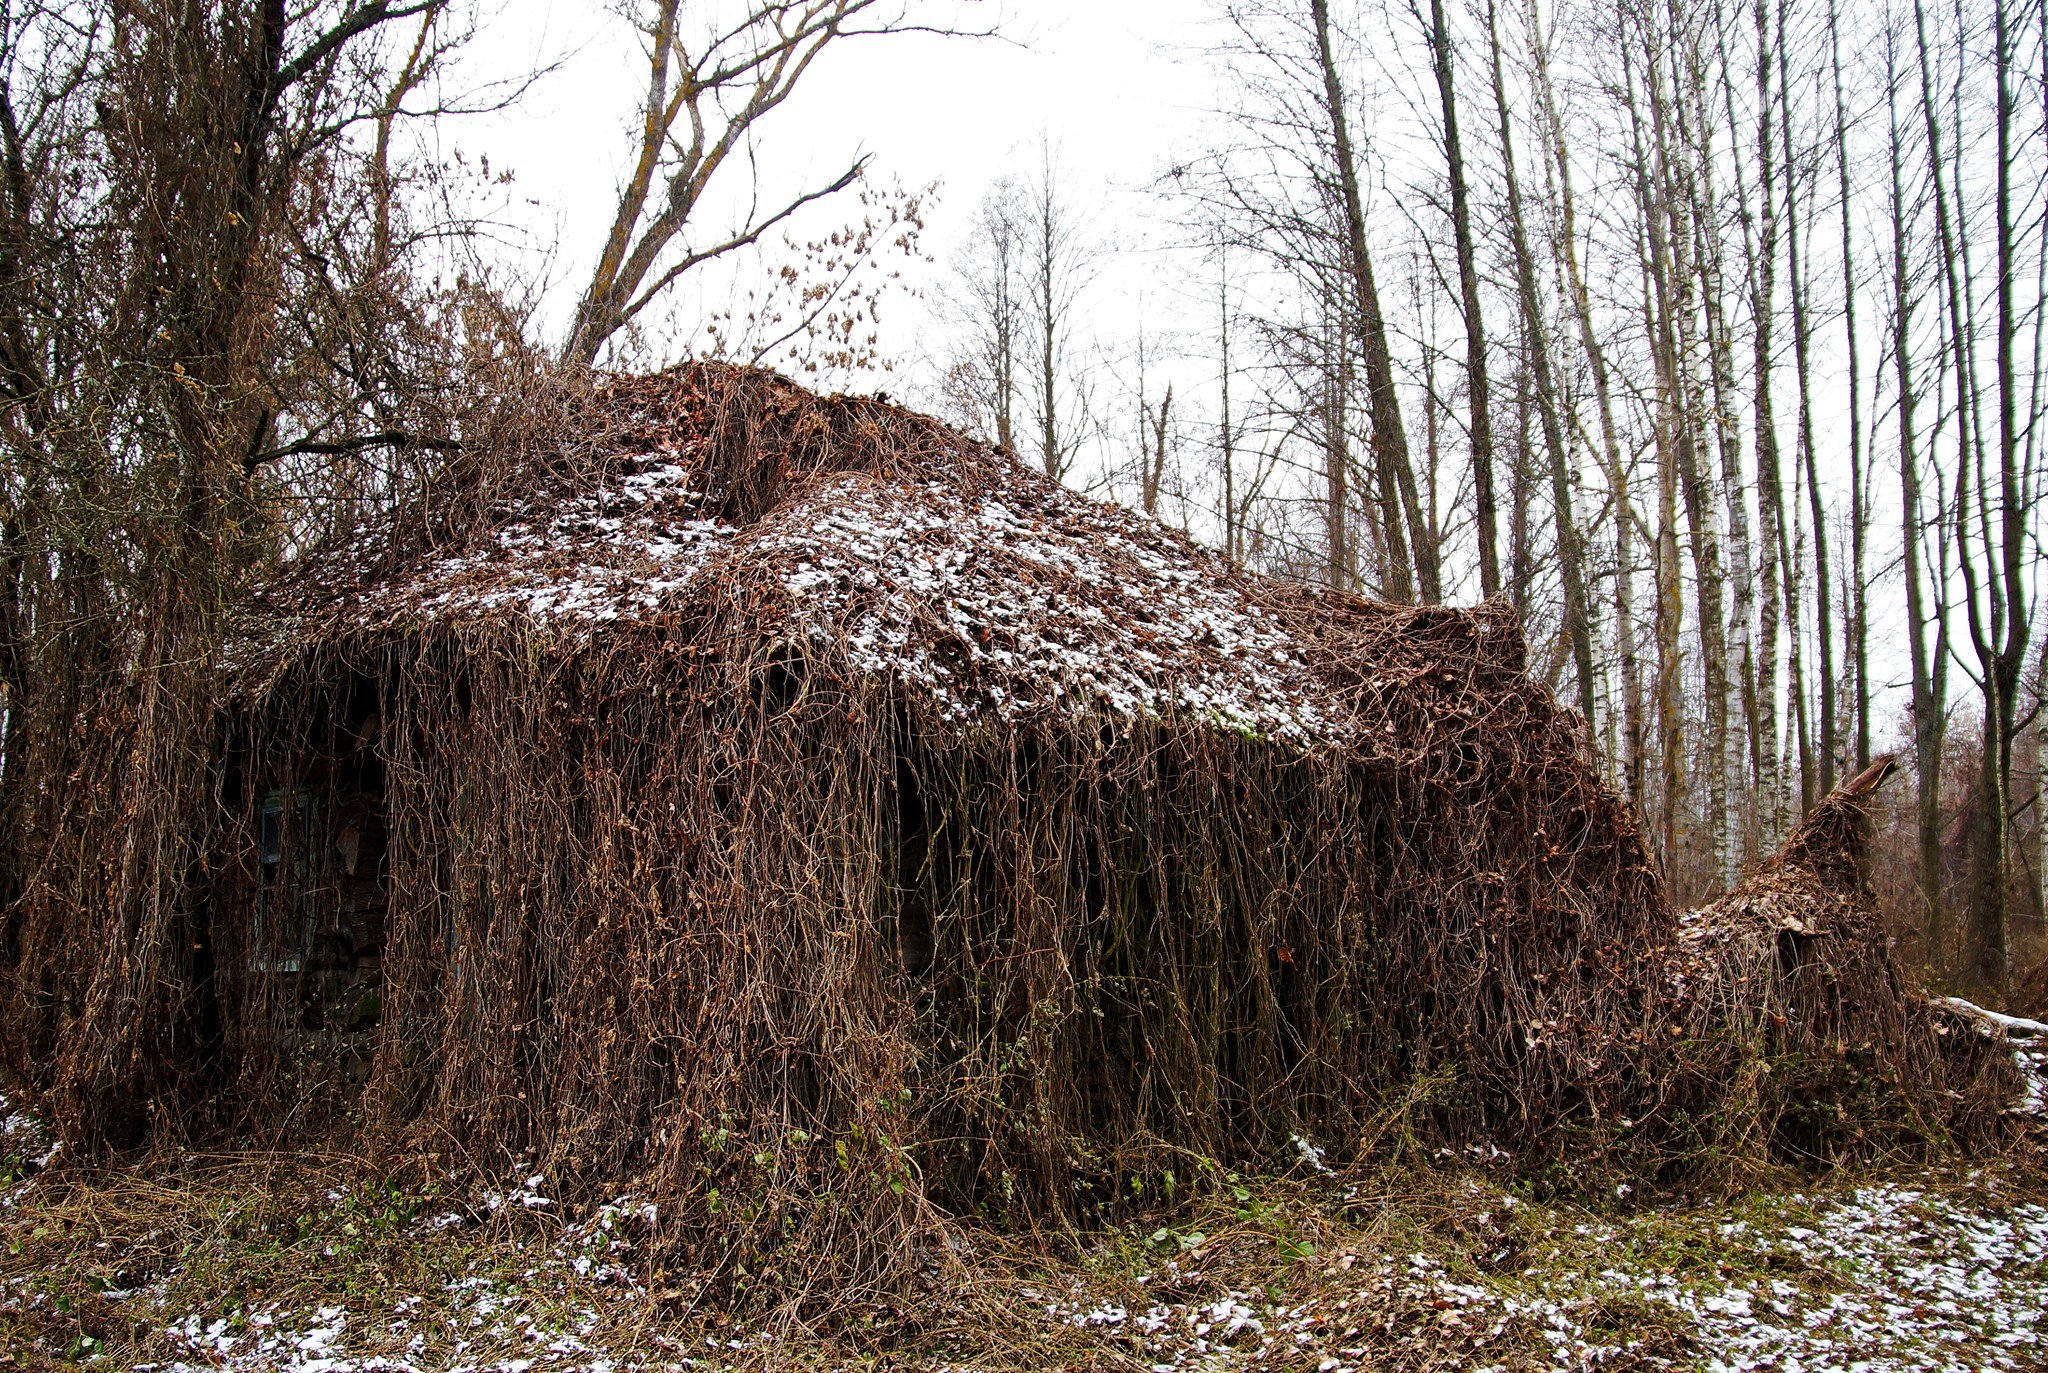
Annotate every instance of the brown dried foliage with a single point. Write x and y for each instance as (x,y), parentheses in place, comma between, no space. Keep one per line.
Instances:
(693,905)
(1798,1035)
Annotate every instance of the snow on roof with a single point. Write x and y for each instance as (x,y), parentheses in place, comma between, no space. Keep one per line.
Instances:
(575,559)
(1013,596)
(1022,600)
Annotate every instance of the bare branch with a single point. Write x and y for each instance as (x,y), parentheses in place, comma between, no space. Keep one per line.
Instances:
(389,438)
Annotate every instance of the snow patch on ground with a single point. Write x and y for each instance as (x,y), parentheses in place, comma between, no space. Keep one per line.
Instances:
(25,1150)
(478,1323)
(1886,1279)
(1927,1283)
(1935,1276)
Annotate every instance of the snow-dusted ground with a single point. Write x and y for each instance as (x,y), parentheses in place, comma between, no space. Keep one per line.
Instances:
(1881,1279)
(1942,1272)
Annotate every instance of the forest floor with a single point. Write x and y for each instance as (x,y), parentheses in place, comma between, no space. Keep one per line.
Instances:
(303,1264)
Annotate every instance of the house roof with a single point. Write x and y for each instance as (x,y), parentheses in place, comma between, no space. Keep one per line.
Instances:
(856,528)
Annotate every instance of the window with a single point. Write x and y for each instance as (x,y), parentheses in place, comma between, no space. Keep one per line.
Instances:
(283,916)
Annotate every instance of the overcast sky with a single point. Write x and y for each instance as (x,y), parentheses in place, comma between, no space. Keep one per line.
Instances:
(1119,87)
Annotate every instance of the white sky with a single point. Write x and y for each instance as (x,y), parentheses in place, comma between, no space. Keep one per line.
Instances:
(1118,86)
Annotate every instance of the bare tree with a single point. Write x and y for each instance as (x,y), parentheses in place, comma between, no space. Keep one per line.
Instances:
(218,324)
(1721,238)
(1993,554)
(1689,196)
(1662,306)
(713,77)
(1389,434)
(990,299)
(1060,260)
(1817,760)
(1635,746)
(1858,600)
(1155,432)
(1226,416)
(1738,836)
(1928,662)
(1570,557)
(1486,520)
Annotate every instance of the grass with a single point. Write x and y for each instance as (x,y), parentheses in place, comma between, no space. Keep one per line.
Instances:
(319,1262)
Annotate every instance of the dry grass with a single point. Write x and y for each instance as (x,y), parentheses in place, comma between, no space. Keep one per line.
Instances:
(239,1261)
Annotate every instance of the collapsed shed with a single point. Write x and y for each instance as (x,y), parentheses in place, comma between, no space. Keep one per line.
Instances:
(775,765)
(817,817)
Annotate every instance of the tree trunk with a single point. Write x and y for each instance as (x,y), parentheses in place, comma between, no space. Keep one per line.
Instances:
(1824,778)
(1772,562)
(1226,435)
(1859,516)
(1413,556)
(1340,565)
(1651,178)
(1997,617)
(1485,517)
(1571,565)
(1052,452)
(1634,746)
(1929,669)
(1741,767)
(1969,441)
(1682,122)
